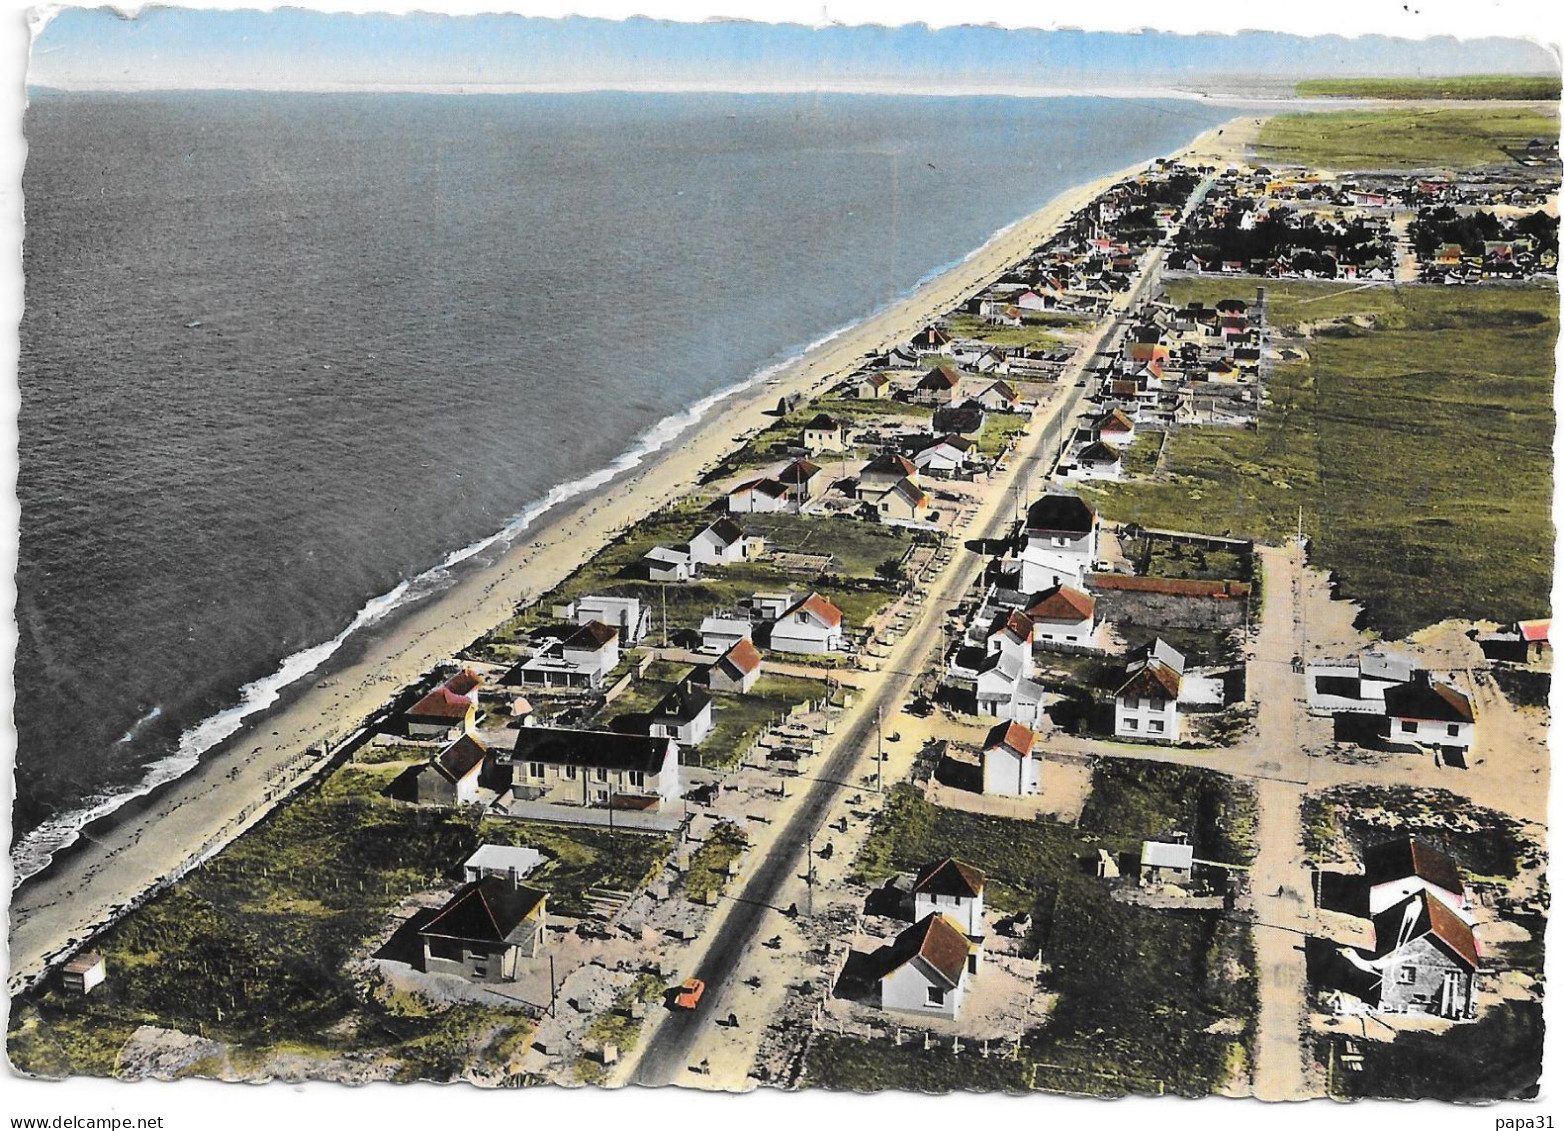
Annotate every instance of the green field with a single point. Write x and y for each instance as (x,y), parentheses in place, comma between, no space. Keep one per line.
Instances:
(1402,138)
(1138,988)
(1031,332)
(251,948)
(1420,450)
(1527,88)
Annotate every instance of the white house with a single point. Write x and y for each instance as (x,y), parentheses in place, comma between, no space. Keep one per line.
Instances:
(737,669)
(1006,690)
(905,503)
(448,708)
(1063,617)
(812,626)
(944,456)
(723,542)
(669,563)
(926,969)
(953,889)
(623,613)
(1166,860)
(824,434)
(1098,460)
(504,860)
(1000,396)
(1399,869)
(1146,706)
(760,496)
(1009,767)
(685,714)
(1115,428)
(1061,543)
(1431,713)
(721,631)
(582,659)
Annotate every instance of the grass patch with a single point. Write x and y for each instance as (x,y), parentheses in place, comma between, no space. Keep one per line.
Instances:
(1525,88)
(1452,391)
(1138,988)
(1132,801)
(1348,819)
(1402,138)
(1523,687)
(1040,333)
(618,1026)
(709,865)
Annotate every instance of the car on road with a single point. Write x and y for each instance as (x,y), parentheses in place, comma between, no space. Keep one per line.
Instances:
(689,995)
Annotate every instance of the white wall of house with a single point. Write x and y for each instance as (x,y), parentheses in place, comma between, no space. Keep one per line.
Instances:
(1055,559)
(965,913)
(1392,892)
(912,988)
(1155,720)
(758,502)
(802,633)
(1082,634)
(688,733)
(1431,733)
(1008,775)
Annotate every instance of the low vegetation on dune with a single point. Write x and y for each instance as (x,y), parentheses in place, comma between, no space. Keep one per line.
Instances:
(1522,88)
(1403,137)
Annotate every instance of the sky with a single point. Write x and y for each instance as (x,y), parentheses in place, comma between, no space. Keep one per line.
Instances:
(294,48)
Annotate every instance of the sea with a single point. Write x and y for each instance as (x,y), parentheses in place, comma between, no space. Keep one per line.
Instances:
(290,360)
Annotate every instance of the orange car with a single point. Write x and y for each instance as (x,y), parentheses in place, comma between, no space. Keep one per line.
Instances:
(689,995)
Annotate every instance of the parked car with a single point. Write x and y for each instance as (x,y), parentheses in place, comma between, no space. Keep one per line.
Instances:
(690,993)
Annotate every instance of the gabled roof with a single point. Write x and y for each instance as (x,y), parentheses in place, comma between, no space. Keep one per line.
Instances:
(799,471)
(1160,649)
(1063,604)
(949,877)
(460,759)
(1018,626)
(1004,389)
(742,658)
(940,944)
(464,682)
(441,703)
(941,377)
(889,463)
(765,486)
(823,423)
(1421,916)
(1408,857)
(683,703)
(725,531)
(1534,631)
(1115,422)
(907,489)
(1098,452)
(1066,514)
(607,749)
(486,910)
(818,607)
(878,380)
(1427,700)
(1013,735)
(1151,679)
(592,636)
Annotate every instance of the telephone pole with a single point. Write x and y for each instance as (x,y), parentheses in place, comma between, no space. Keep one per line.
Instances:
(879,758)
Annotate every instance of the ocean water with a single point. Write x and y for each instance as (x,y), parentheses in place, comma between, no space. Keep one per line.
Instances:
(284,356)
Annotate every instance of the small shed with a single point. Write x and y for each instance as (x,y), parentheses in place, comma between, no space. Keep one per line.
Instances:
(1161,860)
(83,972)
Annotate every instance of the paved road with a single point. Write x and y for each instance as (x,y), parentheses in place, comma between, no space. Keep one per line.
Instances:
(666,1051)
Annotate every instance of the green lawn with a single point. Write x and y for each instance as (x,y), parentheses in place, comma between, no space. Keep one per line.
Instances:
(1138,987)
(709,865)
(1420,451)
(1032,332)
(1140,458)
(250,948)
(1401,138)
(1527,88)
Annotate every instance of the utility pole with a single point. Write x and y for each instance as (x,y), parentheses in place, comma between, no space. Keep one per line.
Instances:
(879,760)
(553,990)
(665,614)
(809,877)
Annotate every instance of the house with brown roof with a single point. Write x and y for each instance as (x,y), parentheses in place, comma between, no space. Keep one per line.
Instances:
(761,496)
(812,626)
(927,968)
(724,542)
(1398,869)
(1001,396)
(582,658)
(803,479)
(448,708)
(1146,705)
(938,386)
(951,888)
(1429,713)
(931,339)
(1424,961)
(737,669)
(485,931)
(904,503)
(1115,428)
(451,776)
(873,386)
(882,473)
(1064,618)
(1010,768)
(824,433)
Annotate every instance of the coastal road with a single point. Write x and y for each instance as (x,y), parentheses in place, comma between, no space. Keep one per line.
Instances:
(666,1052)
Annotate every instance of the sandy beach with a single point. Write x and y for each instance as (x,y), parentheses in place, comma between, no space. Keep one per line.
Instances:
(239,783)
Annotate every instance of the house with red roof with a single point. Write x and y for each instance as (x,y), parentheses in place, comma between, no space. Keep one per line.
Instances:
(1398,869)
(1424,961)
(737,669)
(927,969)
(448,708)
(760,496)
(812,626)
(1430,713)
(485,931)
(1010,768)
(1146,705)
(1064,618)
(451,776)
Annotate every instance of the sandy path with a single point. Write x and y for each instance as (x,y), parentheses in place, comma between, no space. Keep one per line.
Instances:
(235,786)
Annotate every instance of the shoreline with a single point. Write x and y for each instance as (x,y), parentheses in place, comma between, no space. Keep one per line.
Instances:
(234,784)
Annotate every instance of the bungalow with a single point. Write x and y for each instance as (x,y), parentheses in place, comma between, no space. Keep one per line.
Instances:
(873,387)
(721,631)
(451,706)
(882,473)
(451,776)
(904,503)
(1398,869)
(824,434)
(1063,616)
(684,714)
(992,360)
(803,480)
(1060,543)
(1115,428)
(722,542)
(926,969)
(1006,689)
(760,496)
(588,767)
(669,563)
(623,613)
(737,669)
(1163,861)
(1098,460)
(966,419)
(1430,713)
(506,861)
(582,659)
(953,889)
(485,931)
(938,386)
(931,339)
(944,456)
(1009,767)
(1001,396)
(812,626)
(1425,959)
(1146,705)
